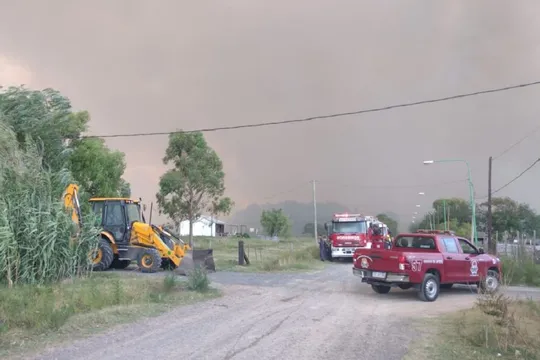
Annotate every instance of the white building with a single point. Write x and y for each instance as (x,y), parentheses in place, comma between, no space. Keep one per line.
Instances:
(204,226)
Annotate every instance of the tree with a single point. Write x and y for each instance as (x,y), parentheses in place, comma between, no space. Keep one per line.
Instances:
(455,208)
(390,222)
(98,169)
(46,118)
(125,189)
(194,183)
(275,222)
(309,229)
(510,216)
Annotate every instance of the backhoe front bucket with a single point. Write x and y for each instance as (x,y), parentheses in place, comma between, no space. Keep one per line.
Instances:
(196,259)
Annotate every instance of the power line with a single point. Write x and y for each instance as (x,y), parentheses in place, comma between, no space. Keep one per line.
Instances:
(514,179)
(534,131)
(517,177)
(319,117)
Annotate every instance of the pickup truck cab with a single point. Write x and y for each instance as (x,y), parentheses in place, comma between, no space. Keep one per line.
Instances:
(427,261)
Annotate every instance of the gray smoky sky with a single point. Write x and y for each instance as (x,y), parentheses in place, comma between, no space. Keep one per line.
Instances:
(141,66)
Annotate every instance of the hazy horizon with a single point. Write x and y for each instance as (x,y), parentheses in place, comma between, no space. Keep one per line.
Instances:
(140,66)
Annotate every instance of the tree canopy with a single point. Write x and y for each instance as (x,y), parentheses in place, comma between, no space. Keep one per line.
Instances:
(508,215)
(275,222)
(195,184)
(47,118)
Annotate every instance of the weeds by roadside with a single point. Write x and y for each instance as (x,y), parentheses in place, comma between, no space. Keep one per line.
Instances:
(27,312)
(497,327)
(501,325)
(520,271)
(198,280)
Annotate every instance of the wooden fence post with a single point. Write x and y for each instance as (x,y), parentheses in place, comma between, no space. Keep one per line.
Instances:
(241,253)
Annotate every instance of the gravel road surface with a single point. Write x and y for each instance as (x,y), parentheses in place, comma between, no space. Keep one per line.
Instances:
(320,315)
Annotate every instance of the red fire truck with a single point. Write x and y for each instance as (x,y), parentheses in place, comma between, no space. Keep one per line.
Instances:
(346,233)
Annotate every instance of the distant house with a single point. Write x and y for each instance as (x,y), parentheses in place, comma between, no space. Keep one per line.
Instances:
(204,226)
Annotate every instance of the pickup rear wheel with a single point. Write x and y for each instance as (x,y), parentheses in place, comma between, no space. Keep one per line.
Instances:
(381,289)
(429,291)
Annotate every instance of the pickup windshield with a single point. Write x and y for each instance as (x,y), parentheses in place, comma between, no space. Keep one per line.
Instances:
(415,242)
(349,227)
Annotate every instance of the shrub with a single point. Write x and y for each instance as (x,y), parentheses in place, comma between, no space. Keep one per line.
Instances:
(198,280)
(169,282)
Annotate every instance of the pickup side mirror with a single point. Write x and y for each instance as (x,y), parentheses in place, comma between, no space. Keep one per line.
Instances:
(481,250)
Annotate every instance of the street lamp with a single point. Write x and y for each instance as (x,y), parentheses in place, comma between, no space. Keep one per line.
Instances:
(474,234)
(421,193)
(417,205)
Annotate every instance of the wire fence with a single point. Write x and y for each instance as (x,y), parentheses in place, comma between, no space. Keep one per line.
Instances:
(521,246)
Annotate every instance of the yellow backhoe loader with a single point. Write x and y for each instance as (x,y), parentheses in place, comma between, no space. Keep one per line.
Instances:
(126,237)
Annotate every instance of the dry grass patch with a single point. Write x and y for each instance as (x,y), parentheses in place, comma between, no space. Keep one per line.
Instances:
(496,328)
(32,315)
(264,255)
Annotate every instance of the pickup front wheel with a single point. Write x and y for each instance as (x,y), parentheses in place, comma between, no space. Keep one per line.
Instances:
(490,284)
(429,291)
(381,289)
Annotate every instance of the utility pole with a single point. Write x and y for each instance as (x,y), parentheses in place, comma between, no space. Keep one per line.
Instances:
(315,213)
(492,246)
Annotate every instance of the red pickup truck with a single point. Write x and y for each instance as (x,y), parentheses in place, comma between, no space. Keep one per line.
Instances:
(427,261)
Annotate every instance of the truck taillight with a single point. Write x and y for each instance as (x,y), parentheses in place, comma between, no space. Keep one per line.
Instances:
(403,263)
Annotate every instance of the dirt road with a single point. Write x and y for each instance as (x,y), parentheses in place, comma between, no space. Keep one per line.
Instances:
(328,314)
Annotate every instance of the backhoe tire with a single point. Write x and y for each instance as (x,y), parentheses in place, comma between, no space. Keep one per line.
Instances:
(104,257)
(149,261)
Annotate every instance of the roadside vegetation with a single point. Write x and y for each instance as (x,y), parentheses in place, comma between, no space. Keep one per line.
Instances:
(520,271)
(293,254)
(47,287)
(31,315)
(497,327)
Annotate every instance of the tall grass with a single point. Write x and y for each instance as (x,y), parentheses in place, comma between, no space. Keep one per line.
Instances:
(520,271)
(37,242)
